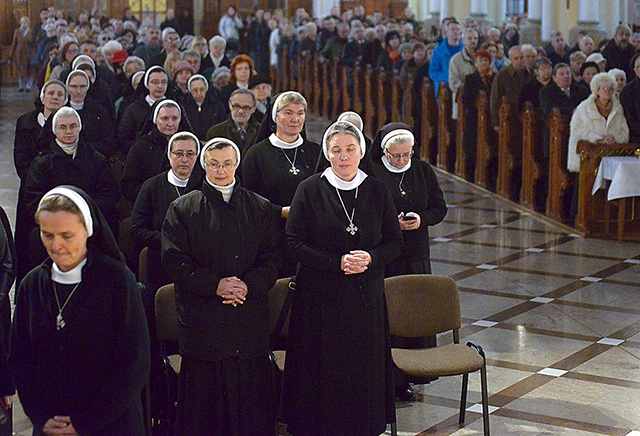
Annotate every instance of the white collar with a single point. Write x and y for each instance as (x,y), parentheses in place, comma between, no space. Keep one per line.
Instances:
(149,100)
(68,148)
(41,119)
(393,169)
(76,106)
(70,277)
(175,181)
(338,183)
(286,145)
(226,191)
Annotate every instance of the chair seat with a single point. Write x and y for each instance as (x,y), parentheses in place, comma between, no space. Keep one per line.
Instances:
(453,359)
(280,355)
(175,360)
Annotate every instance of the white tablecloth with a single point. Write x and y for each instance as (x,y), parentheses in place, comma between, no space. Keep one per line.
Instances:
(624,173)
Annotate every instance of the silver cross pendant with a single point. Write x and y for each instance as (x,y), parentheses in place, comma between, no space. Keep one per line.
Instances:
(294,171)
(352,229)
(60,322)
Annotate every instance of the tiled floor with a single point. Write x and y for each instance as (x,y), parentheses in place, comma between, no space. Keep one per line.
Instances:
(557,315)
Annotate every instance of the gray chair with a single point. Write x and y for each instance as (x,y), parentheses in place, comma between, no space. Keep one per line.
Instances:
(423,305)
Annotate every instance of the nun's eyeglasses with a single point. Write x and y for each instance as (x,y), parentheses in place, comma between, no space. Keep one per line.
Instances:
(400,155)
(191,155)
(226,167)
(64,127)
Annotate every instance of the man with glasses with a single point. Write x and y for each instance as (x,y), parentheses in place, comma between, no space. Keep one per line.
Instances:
(241,127)
(220,246)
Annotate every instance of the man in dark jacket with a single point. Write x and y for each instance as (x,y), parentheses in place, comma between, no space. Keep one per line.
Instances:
(619,51)
(630,100)
(240,127)
(170,42)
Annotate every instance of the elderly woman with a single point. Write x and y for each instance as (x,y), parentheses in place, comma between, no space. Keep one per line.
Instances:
(20,54)
(587,71)
(220,246)
(53,95)
(343,229)
(69,161)
(155,83)
(202,109)
(600,118)
(180,75)
(79,341)
(481,80)
(99,131)
(156,195)
(621,79)
(147,157)
(275,166)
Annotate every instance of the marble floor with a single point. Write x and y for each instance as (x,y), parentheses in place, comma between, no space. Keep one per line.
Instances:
(557,315)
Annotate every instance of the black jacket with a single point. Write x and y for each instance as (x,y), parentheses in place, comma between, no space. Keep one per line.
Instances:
(205,239)
(97,128)
(133,118)
(228,129)
(25,146)
(203,117)
(630,100)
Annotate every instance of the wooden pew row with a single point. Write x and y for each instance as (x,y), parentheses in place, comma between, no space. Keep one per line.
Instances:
(560,180)
(532,160)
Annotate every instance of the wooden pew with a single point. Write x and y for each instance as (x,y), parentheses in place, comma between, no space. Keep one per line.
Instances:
(428,122)
(381,101)
(274,74)
(444,126)
(325,94)
(560,180)
(345,103)
(509,152)
(485,142)
(407,98)
(358,90)
(396,97)
(461,161)
(335,90)
(532,159)
(285,74)
(369,110)
(590,218)
(307,82)
(301,74)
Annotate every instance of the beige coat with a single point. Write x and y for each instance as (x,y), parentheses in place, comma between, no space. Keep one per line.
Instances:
(21,51)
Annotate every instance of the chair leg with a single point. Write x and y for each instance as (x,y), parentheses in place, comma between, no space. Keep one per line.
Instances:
(485,398)
(394,429)
(622,209)
(463,397)
(607,218)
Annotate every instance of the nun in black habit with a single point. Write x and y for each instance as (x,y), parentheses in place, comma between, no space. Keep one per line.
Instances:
(220,246)
(79,340)
(275,166)
(343,230)
(147,157)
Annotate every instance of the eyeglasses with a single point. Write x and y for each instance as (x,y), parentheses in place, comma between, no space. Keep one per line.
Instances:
(237,107)
(226,167)
(607,89)
(172,39)
(191,155)
(156,82)
(64,127)
(77,86)
(401,155)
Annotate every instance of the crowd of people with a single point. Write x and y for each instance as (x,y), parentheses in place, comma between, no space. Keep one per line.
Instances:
(181,136)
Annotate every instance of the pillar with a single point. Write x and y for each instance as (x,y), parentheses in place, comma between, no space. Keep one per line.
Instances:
(589,20)
(445,9)
(478,8)
(548,19)
(323,8)
(531,33)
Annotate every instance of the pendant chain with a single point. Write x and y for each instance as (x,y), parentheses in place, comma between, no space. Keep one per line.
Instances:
(59,319)
(352,228)
(293,170)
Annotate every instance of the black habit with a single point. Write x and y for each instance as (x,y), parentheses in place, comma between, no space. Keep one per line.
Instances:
(338,375)
(205,239)
(94,368)
(204,116)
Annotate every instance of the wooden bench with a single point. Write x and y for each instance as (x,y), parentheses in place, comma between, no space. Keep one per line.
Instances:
(461,161)
(444,127)
(485,142)
(532,155)
(509,152)
(560,180)
(370,97)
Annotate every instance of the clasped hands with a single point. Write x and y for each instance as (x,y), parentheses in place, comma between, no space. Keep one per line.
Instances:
(355,262)
(59,425)
(608,140)
(232,290)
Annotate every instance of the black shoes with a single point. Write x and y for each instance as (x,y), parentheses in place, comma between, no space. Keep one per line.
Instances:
(405,393)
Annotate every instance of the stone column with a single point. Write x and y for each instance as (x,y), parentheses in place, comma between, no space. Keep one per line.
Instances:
(478,8)
(198,13)
(589,20)
(445,9)
(548,19)
(323,8)
(531,33)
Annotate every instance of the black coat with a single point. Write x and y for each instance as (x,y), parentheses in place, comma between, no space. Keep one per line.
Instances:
(551,96)
(473,84)
(422,196)
(132,121)
(205,239)
(530,92)
(618,57)
(94,368)
(25,145)
(89,171)
(338,375)
(630,100)
(97,128)
(203,117)
(147,158)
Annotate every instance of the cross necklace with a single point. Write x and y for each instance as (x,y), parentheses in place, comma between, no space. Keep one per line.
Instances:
(351,228)
(60,323)
(293,170)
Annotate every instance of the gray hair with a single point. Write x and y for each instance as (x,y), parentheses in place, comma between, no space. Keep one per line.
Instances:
(218,38)
(66,111)
(339,127)
(469,30)
(514,49)
(190,52)
(111,47)
(134,60)
(289,97)
(399,139)
(168,31)
(241,91)
(601,80)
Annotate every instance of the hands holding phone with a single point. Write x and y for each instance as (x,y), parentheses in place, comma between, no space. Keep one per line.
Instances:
(409,221)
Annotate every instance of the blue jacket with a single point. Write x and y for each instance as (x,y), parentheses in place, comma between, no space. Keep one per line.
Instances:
(439,66)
